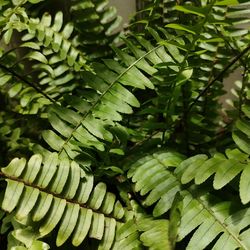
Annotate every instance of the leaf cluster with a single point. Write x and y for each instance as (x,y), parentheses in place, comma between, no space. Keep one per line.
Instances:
(120,140)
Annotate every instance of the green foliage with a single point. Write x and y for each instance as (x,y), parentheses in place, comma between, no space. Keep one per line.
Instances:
(118,141)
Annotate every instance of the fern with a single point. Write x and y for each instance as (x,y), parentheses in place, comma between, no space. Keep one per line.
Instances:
(163,177)
(95,34)
(111,141)
(52,190)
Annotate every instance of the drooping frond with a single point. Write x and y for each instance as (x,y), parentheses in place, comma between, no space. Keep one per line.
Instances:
(107,96)
(97,26)
(224,168)
(53,62)
(69,102)
(51,191)
(54,36)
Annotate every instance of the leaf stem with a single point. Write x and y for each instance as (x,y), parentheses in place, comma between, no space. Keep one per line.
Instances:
(60,196)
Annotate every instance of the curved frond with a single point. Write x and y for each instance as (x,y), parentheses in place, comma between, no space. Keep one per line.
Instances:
(107,97)
(55,36)
(51,191)
(223,169)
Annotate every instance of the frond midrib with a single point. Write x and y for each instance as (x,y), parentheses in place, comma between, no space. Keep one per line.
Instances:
(226,229)
(71,201)
(104,93)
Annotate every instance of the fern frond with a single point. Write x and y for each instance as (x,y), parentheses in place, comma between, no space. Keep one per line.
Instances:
(55,36)
(214,223)
(141,230)
(153,179)
(153,13)
(102,105)
(52,190)
(241,134)
(214,53)
(96,26)
(53,58)
(159,178)
(199,168)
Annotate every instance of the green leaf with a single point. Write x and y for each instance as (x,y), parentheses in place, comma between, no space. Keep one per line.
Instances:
(207,169)
(226,172)
(108,204)
(83,226)
(200,11)
(184,76)
(15,167)
(4,79)
(31,45)
(56,212)
(12,195)
(42,207)
(242,141)
(227,2)
(97,226)
(243,126)
(109,234)
(61,176)
(117,151)
(58,21)
(53,139)
(156,236)
(37,56)
(191,165)
(39,245)
(245,185)
(85,189)
(33,168)
(29,199)
(74,180)
(67,31)
(97,196)
(49,169)
(68,223)
(176,26)
(13,91)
